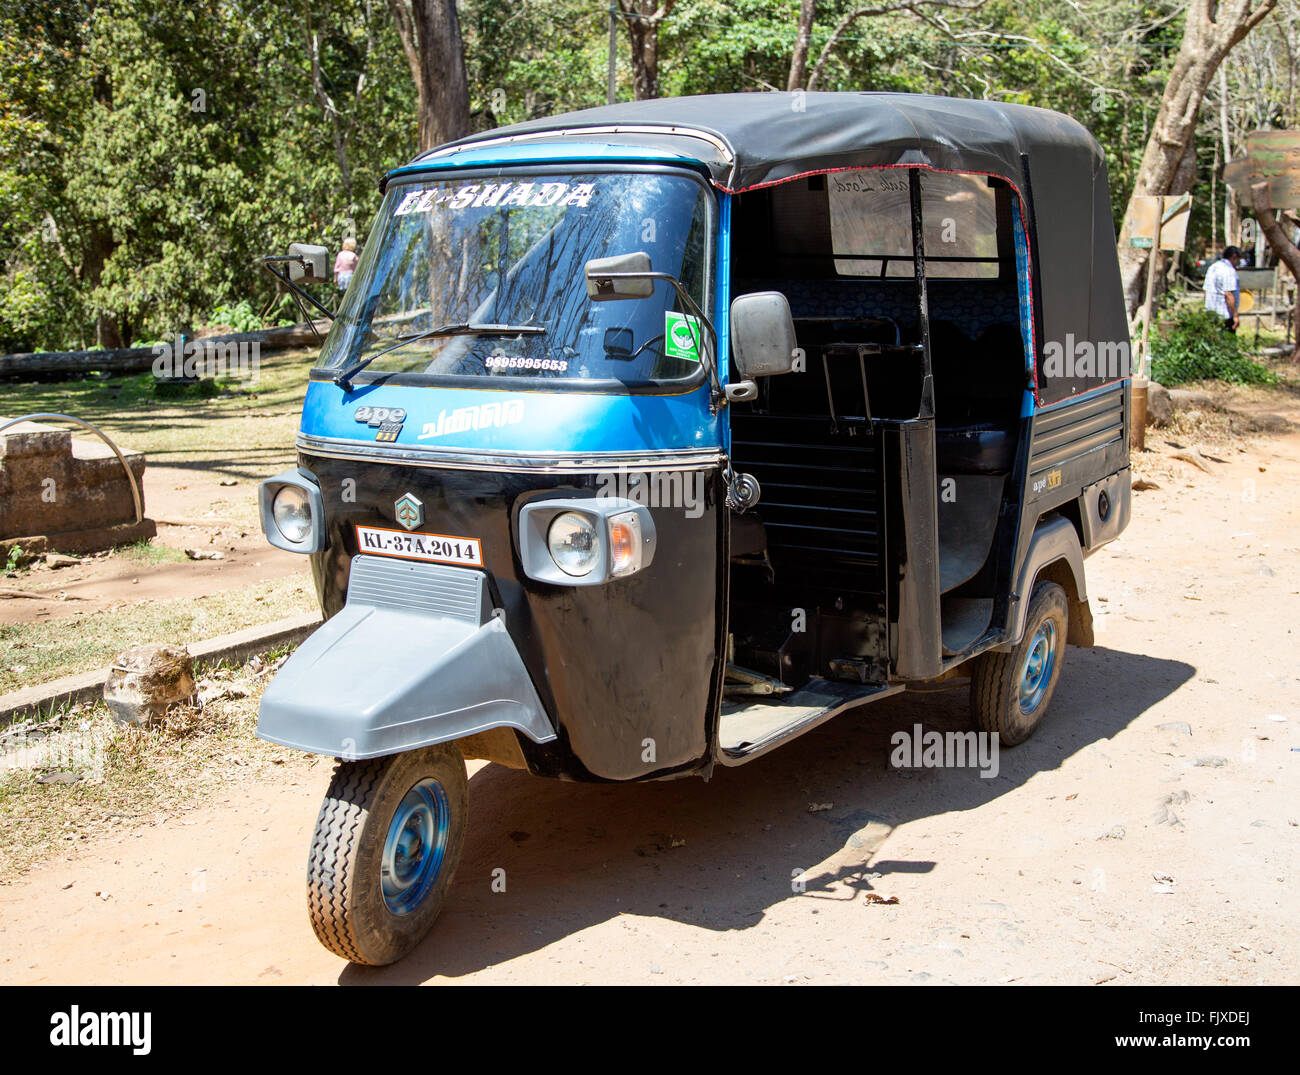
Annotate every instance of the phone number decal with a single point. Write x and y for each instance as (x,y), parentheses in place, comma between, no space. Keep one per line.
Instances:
(435,548)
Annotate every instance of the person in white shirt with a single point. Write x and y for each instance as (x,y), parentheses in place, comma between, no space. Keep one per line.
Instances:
(1222,289)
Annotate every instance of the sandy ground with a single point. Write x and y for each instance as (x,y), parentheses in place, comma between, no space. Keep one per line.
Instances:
(1108,849)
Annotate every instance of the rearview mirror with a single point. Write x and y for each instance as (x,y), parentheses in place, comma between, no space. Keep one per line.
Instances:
(308,264)
(604,281)
(618,343)
(762,334)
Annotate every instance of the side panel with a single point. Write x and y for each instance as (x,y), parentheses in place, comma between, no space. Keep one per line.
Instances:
(1076,450)
(1074,445)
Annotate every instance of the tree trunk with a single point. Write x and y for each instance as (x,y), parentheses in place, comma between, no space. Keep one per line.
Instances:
(339,131)
(98,249)
(430,34)
(802,43)
(643,18)
(1283,247)
(1211,30)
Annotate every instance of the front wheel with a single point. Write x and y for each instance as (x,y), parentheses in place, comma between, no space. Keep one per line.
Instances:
(387,841)
(1010,692)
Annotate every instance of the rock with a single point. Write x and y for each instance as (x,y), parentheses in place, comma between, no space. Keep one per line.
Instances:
(1268,423)
(1180,727)
(1211,761)
(145,680)
(196,554)
(1160,407)
(1164,813)
(1143,484)
(1182,399)
(56,560)
(1116,832)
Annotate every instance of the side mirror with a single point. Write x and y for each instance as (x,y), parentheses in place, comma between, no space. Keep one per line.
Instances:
(605,280)
(762,334)
(308,264)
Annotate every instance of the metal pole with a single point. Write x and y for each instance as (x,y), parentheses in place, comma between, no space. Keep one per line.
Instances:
(612,91)
(922,292)
(1152,262)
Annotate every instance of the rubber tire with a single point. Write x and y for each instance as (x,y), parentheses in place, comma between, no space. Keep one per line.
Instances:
(995,678)
(344,897)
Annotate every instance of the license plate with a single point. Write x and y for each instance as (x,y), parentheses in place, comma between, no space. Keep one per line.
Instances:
(434,548)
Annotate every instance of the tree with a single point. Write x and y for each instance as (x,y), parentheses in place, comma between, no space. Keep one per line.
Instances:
(643,18)
(430,35)
(808,12)
(1210,31)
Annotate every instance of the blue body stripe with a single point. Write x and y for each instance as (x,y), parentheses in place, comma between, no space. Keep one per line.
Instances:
(490,419)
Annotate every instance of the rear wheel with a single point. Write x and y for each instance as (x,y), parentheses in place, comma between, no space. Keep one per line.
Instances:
(1010,691)
(388,838)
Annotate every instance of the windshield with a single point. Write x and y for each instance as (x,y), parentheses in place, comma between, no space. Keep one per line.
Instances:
(494,269)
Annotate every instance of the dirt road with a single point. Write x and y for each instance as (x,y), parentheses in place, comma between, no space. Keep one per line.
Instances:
(1147,834)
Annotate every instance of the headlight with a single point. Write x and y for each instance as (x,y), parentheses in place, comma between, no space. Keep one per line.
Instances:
(584,541)
(292,514)
(574,543)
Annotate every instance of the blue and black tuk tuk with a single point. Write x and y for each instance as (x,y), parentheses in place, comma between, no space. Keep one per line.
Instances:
(649,437)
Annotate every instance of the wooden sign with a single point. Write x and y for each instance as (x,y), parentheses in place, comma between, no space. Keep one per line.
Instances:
(1272,156)
(1151,216)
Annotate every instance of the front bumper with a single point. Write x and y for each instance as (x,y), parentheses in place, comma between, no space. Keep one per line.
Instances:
(416,656)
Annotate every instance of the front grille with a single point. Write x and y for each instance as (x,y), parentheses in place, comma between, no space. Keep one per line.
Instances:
(431,589)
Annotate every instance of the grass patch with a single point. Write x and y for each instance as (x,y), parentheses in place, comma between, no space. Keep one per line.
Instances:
(148,552)
(124,778)
(246,430)
(32,653)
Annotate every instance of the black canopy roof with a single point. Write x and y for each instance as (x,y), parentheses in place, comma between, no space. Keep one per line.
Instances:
(760,138)
(748,140)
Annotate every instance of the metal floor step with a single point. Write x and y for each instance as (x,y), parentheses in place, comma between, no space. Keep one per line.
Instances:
(749,730)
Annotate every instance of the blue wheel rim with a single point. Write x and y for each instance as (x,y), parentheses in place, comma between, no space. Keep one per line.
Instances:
(415,846)
(1040,663)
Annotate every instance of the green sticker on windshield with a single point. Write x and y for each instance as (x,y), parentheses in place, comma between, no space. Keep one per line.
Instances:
(681,336)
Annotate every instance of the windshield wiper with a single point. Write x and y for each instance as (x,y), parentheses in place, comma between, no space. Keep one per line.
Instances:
(456,328)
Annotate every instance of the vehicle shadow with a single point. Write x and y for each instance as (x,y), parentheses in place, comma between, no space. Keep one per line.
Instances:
(719,854)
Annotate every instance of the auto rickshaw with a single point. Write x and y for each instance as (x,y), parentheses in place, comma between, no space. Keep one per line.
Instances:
(650,437)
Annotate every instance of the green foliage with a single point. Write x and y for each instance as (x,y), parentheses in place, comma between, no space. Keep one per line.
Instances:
(150,152)
(1192,345)
(240,316)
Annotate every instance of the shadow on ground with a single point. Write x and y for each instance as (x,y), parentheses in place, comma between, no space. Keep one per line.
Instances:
(578,854)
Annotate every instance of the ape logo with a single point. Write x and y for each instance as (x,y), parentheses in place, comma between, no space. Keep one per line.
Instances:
(408,511)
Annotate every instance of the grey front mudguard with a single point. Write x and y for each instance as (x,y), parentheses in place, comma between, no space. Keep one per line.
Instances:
(415,657)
